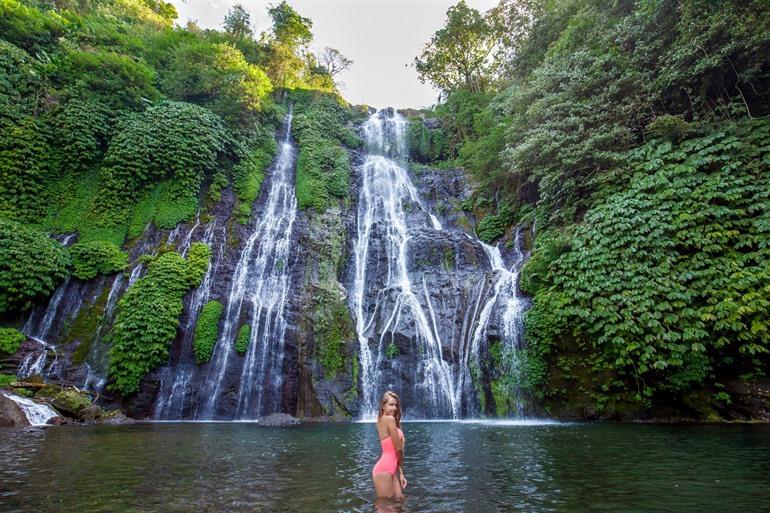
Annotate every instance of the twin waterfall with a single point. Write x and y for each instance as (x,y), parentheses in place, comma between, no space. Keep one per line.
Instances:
(426,299)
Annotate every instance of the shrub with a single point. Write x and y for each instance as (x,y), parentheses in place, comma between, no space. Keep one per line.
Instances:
(207,331)
(148,316)
(243,339)
(31,266)
(249,173)
(97,257)
(171,141)
(10,340)
(667,283)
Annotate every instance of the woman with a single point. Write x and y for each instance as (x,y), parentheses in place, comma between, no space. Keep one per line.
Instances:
(388,476)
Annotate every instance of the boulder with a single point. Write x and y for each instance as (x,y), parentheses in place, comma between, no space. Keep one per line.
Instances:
(91,413)
(115,417)
(71,402)
(59,421)
(278,419)
(11,415)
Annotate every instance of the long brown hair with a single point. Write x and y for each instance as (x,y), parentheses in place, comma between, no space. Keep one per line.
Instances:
(385,397)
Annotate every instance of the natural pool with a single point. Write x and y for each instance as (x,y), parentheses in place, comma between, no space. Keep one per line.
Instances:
(451,467)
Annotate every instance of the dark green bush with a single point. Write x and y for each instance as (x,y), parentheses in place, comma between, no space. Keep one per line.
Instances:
(494,226)
(171,141)
(667,283)
(425,145)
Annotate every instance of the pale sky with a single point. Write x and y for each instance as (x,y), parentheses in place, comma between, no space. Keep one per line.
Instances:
(382,37)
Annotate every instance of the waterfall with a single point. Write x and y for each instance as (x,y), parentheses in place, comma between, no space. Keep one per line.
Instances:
(385,189)
(37,414)
(510,310)
(445,319)
(39,330)
(257,297)
(176,381)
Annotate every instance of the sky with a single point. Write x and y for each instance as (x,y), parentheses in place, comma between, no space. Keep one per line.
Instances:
(382,37)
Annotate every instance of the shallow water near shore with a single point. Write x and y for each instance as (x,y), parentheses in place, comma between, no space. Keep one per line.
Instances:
(451,467)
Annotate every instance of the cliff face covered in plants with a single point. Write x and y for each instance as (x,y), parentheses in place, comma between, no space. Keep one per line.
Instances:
(634,136)
(194,224)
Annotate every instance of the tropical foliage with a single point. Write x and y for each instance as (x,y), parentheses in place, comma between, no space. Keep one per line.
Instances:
(31,266)
(206,331)
(148,316)
(632,135)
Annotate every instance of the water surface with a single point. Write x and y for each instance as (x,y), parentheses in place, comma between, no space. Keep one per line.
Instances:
(451,467)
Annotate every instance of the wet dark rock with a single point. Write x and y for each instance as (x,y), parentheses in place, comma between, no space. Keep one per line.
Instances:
(91,413)
(115,417)
(278,419)
(11,415)
(59,421)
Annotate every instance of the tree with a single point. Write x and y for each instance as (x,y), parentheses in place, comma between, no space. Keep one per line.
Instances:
(333,61)
(238,22)
(457,55)
(289,28)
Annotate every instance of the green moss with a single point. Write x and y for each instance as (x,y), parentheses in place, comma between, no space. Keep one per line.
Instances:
(244,339)
(207,331)
(323,165)
(83,328)
(392,351)
(7,379)
(249,174)
(332,327)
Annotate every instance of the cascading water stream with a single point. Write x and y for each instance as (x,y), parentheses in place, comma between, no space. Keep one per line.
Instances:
(176,389)
(258,296)
(397,297)
(385,189)
(39,330)
(37,414)
(506,303)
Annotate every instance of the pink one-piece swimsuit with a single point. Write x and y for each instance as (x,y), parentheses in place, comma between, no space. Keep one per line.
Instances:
(388,462)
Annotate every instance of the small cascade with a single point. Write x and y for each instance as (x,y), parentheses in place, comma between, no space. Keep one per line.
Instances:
(508,305)
(382,227)
(257,297)
(176,380)
(39,326)
(97,361)
(37,414)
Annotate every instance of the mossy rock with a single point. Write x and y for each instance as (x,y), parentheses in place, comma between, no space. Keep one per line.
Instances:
(71,402)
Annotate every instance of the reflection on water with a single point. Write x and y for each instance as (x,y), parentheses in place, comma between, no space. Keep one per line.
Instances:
(451,467)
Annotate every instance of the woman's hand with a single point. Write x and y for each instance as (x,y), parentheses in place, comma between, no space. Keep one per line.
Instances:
(403,481)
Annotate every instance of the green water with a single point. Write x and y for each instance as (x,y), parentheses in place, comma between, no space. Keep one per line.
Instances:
(451,467)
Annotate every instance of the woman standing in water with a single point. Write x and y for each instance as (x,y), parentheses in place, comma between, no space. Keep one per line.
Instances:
(388,475)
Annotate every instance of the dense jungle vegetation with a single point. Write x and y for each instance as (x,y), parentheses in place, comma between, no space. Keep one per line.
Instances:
(112,119)
(633,139)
